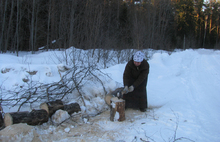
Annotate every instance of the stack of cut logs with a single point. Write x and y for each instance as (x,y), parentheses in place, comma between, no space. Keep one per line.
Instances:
(37,117)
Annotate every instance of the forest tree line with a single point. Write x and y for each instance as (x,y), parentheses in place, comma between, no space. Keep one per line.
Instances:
(27,25)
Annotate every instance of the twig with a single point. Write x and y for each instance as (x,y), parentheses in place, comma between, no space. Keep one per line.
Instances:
(175,132)
(143,140)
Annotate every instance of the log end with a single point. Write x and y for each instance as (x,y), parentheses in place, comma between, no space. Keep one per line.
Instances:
(45,107)
(108,98)
(8,120)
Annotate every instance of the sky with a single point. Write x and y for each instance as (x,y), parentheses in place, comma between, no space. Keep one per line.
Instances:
(183,94)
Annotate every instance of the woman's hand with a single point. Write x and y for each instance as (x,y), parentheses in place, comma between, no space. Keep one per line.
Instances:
(131,88)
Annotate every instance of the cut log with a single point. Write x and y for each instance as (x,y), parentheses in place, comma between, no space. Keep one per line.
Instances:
(1,118)
(71,108)
(108,98)
(35,117)
(1,121)
(14,117)
(117,109)
(52,107)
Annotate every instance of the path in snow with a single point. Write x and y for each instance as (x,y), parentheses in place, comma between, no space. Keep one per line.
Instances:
(98,128)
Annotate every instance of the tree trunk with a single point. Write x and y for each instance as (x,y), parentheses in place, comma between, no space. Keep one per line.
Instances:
(117,109)
(4,23)
(17,27)
(35,117)
(32,28)
(10,26)
(48,25)
(217,24)
(206,18)
(71,27)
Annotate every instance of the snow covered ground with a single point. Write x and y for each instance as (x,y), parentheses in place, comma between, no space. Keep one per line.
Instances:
(183,96)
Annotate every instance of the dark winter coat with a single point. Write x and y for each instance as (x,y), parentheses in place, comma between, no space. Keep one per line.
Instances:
(136,76)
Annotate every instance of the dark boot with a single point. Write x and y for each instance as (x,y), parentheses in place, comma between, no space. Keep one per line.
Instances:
(142,109)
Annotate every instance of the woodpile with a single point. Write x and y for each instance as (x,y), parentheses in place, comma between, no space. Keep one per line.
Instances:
(38,117)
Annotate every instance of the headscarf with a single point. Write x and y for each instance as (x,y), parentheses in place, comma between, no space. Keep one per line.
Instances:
(138,56)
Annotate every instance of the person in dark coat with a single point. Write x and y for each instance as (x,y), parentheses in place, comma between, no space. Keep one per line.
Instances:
(135,81)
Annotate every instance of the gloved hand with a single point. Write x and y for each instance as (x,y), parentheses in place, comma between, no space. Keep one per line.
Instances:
(131,88)
(125,90)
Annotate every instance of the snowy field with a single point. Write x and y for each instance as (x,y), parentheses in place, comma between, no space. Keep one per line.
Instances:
(183,95)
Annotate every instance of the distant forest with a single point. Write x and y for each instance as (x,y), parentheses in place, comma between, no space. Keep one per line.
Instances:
(27,25)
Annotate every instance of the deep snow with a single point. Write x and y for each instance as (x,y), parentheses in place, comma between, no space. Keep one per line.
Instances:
(183,96)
